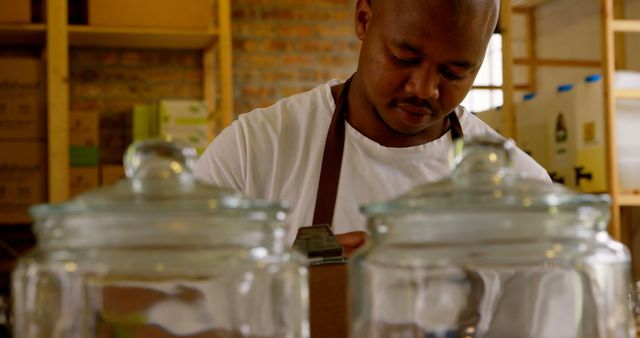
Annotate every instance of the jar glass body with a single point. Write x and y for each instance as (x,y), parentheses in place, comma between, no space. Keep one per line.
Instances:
(161,275)
(490,273)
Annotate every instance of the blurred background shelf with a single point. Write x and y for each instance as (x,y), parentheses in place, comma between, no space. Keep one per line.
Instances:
(95,36)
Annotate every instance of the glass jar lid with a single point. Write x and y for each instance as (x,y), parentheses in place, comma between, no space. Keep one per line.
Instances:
(483,179)
(160,178)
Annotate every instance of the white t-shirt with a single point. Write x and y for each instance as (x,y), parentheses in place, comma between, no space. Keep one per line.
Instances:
(275,153)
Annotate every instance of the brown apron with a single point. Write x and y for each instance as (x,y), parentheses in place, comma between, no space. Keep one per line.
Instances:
(328,283)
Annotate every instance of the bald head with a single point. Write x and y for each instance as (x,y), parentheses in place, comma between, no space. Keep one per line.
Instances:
(474,19)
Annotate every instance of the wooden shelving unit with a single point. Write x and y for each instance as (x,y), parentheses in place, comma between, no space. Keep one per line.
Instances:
(611,24)
(56,36)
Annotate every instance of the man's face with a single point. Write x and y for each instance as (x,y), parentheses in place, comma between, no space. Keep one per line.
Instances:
(419,58)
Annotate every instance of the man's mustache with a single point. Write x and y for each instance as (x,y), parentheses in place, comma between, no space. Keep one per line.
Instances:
(416,102)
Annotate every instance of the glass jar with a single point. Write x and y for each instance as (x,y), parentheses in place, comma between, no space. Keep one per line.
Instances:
(160,254)
(488,252)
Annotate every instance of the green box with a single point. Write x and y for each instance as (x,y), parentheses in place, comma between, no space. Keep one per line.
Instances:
(84,156)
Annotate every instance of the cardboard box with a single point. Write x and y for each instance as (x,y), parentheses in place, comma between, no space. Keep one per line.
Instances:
(186,120)
(145,122)
(82,179)
(111,173)
(193,14)
(21,70)
(22,108)
(15,11)
(84,128)
(23,170)
(115,136)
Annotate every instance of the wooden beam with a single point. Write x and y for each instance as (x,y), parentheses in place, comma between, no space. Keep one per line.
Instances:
(621,55)
(516,87)
(226,66)
(627,94)
(558,62)
(57,53)
(506,27)
(609,68)
(531,49)
(119,37)
(629,199)
(625,26)
(525,4)
(209,89)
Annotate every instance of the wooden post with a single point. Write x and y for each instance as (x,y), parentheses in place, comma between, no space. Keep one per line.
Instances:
(506,24)
(531,48)
(209,89)
(609,68)
(226,64)
(57,53)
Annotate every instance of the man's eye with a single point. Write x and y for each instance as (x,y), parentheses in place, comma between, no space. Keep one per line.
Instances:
(404,61)
(449,74)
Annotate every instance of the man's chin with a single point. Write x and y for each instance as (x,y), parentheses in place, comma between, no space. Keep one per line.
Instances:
(408,131)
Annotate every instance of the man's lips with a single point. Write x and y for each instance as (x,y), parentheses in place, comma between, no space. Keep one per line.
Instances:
(413,109)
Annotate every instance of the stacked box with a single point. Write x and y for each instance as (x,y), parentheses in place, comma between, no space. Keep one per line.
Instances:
(23,151)
(115,136)
(83,151)
(15,11)
(198,14)
(185,120)
(145,122)
(83,179)
(111,174)
(22,113)
(22,179)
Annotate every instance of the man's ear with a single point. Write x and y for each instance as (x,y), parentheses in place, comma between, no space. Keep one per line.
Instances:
(363,17)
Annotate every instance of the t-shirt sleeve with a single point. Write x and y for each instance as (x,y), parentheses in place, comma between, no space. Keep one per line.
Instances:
(223,162)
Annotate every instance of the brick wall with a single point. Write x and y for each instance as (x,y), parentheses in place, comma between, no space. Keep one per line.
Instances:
(287,46)
(113,80)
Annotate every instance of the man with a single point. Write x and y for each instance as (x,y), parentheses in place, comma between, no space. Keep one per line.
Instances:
(400,111)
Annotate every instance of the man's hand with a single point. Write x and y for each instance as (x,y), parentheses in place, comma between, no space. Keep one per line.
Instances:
(350,241)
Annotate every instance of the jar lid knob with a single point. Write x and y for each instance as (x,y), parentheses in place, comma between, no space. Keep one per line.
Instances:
(487,154)
(159,159)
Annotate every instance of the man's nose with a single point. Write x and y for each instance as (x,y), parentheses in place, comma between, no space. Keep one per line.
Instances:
(424,83)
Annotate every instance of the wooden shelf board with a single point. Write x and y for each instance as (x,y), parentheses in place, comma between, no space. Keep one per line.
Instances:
(23,34)
(625,26)
(558,62)
(629,199)
(524,4)
(627,94)
(96,36)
